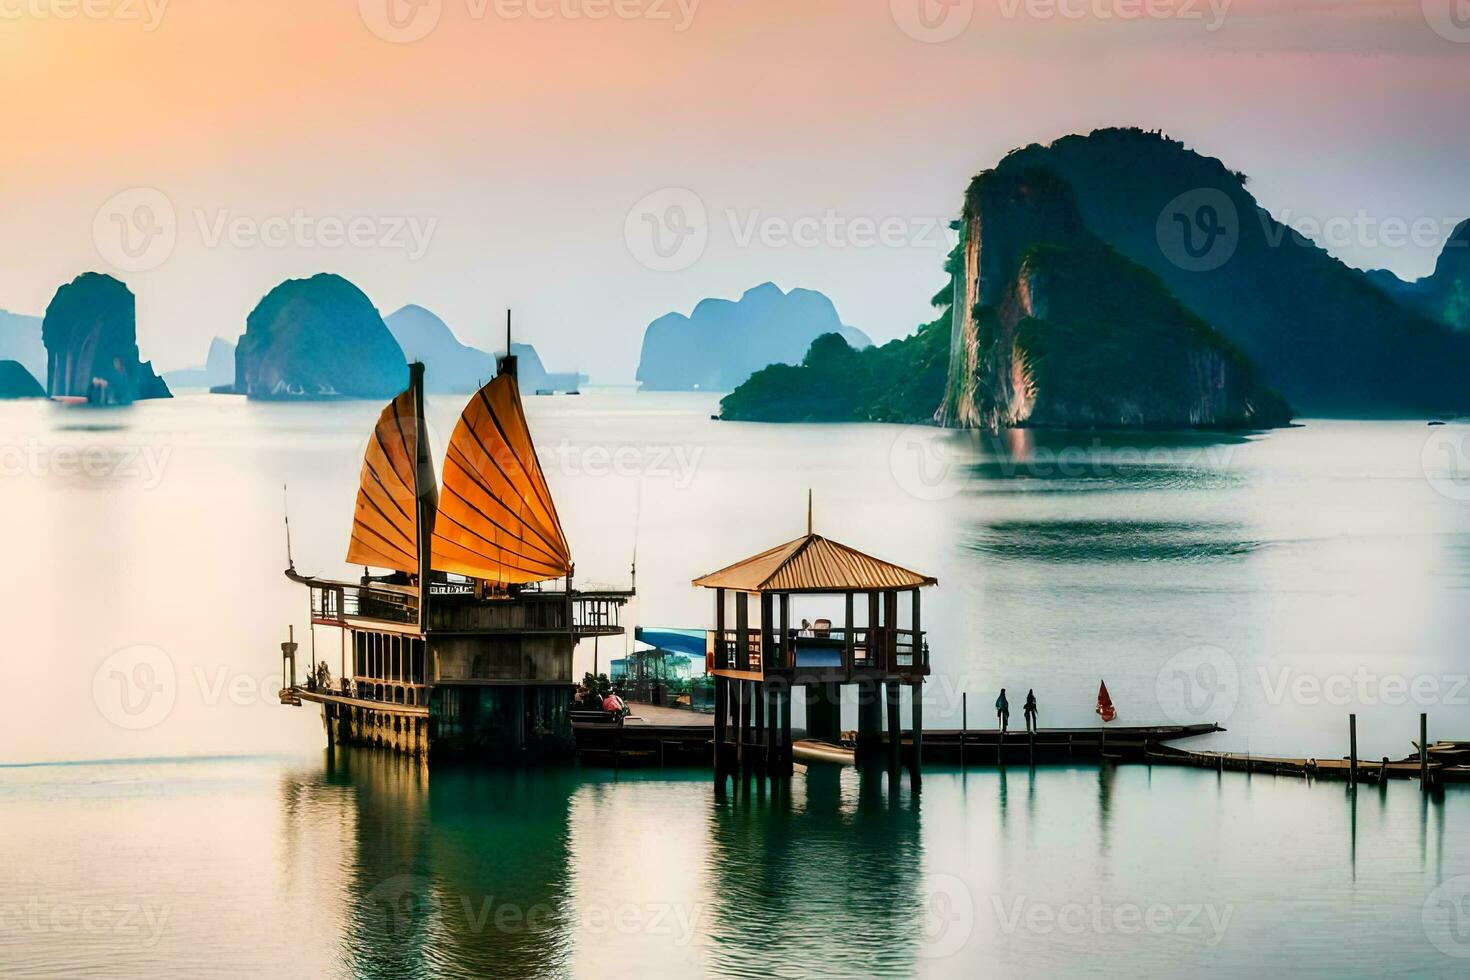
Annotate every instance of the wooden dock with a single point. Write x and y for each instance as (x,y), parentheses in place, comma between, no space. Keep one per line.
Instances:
(662,744)
(1448,762)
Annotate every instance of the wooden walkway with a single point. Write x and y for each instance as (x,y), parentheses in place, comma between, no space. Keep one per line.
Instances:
(1449,762)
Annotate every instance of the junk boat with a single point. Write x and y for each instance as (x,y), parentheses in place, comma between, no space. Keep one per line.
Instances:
(461,647)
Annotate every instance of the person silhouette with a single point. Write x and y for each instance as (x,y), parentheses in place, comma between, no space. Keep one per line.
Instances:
(1029,711)
(1003,710)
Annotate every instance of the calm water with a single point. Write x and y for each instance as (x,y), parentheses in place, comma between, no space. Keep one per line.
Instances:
(1273,584)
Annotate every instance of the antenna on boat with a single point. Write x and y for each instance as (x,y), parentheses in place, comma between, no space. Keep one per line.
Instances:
(286,511)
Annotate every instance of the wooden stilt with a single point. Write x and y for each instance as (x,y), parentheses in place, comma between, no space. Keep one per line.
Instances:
(916,713)
(1352,750)
(895,742)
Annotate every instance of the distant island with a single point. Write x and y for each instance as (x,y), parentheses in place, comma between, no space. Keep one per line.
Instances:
(452,367)
(218,370)
(17,382)
(20,341)
(90,332)
(1074,301)
(721,343)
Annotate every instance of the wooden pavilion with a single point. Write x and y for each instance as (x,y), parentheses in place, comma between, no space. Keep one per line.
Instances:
(758,658)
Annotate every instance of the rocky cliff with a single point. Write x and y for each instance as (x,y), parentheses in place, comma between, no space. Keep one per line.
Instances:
(1052,327)
(1320,332)
(318,338)
(91,338)
(722,343)
(1444,295)
(16,382)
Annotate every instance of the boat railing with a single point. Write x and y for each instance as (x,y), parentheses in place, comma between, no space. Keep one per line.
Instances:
(861,648)
(333,603)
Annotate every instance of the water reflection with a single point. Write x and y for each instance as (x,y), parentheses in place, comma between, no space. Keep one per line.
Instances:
(837,854)
(465,874)
(1053,461)
(1112,541)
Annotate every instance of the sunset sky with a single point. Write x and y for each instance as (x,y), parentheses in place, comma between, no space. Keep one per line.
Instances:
(500,158)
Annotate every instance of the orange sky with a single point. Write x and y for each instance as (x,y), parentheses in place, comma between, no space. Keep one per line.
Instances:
(525,142)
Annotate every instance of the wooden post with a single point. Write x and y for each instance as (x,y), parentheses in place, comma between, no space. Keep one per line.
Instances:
(1352,750)
(916,713)
(742,721)
(758,729)
(1424,752)
(964,725)
(742,631)
(788,652)
(870,718)
(848,643)
(722,723)
(787,759)
(720,630)
(895,746)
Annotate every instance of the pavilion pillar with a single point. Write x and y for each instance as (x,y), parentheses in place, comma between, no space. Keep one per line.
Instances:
(787,758)
(758,730)
(870,719)
(895,746)
(722,723)
(823,712)
(916,760)
(742,631)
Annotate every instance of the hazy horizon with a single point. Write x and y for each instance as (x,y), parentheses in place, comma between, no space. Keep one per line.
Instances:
(509,155)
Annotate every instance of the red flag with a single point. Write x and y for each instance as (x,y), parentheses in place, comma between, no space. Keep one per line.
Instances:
(1105,709)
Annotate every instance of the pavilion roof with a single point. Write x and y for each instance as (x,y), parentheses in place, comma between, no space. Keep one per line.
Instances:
(813,563)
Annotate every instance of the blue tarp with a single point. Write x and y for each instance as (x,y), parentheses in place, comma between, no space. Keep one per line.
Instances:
(688,642)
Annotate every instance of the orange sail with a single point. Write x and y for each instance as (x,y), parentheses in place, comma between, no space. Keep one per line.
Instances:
(496,520)
(385,523)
